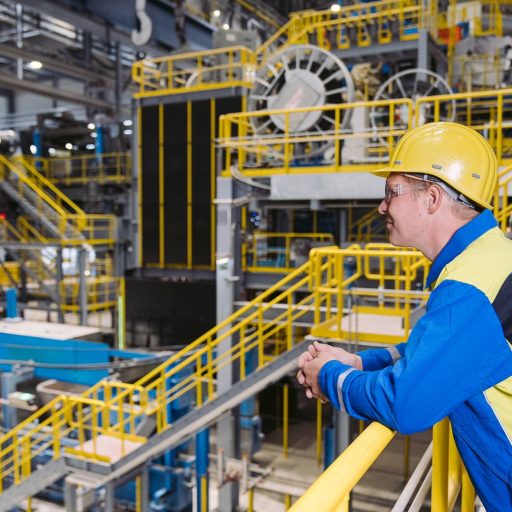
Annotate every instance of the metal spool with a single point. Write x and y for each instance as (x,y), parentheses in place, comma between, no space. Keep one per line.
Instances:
(414,84)
(301,76)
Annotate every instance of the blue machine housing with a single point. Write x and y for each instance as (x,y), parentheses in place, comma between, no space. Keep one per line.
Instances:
(170,475)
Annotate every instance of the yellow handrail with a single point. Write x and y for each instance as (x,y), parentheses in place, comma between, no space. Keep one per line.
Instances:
(258,154)
(484,111)
(330,492)
(502,207)
(195,71)
(74,226)
(50,189)
(361,229)
(254,153)
(82,169)
(272,252)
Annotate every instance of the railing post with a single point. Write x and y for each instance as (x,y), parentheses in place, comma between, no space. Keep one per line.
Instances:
(439,498)
(82,285)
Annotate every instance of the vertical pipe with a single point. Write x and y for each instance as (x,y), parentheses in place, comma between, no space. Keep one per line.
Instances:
(285,420)
(161,184)
(213,175)
(82,286)
(59,278)
(138,174)
(138,494)
(121,315)
(250,500)
(407,457)
(119,81)
(189,184)
(329,446)
(202,449)
(19,39)
(319,432)
(11,306)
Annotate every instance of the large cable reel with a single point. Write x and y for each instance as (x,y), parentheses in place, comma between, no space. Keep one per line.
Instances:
(413,83)
(301,76)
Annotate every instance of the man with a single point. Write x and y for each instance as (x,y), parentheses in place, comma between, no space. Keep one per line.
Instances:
(458,359)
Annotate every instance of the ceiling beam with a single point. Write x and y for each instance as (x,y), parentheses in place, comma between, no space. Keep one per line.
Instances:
(63,68)
(11,82)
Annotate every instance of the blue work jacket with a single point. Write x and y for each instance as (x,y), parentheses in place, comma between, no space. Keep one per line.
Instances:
(457,362)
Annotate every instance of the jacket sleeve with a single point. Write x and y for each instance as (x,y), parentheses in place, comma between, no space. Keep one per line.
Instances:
(456,350)
(378,358)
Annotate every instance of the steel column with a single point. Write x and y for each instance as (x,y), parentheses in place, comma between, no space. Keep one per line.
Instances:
(59,279)
(225,296)
(82,286)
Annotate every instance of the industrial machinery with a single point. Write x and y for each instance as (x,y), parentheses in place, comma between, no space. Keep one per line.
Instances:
(36,370)
(414,84)
(301,76)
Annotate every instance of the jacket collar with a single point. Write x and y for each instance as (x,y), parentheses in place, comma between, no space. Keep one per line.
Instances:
(463,237)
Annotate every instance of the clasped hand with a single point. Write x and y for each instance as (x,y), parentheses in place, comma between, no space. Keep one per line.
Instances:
(310,363)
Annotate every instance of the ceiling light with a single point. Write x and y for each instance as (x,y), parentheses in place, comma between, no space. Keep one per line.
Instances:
(91,126)
(127,132)
(216,13)
(127,122)
(69,145)
(33,149)
(52,151)
(94,135)
(90,146)
(225,26)
(35,64)
(335,7)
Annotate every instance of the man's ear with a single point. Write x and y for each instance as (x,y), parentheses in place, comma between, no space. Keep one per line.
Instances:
(434,197)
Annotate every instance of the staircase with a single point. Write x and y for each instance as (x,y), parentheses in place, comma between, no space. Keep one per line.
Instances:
(51,219)
(54,217)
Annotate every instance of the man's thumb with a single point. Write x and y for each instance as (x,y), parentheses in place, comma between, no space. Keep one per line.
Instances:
(321,347)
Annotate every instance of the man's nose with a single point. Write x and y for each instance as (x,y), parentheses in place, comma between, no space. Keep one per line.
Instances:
(383,207)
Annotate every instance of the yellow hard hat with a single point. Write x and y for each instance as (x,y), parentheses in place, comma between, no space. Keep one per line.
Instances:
(452,152)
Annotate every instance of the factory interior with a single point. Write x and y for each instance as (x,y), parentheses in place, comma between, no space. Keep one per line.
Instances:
(217,155)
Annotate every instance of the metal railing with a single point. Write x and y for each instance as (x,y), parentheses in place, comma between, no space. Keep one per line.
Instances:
(353,25)
(359,25)
(251,144)
(107,168)
(101,288)
(476,72)
(101,293)
(254,150)
(488,112)
(279,252)
(195,71)
(345,310)
(331,491)
(368,228)
(502,204)
(114,409)
(30,181)
(55,218)
(9,273)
